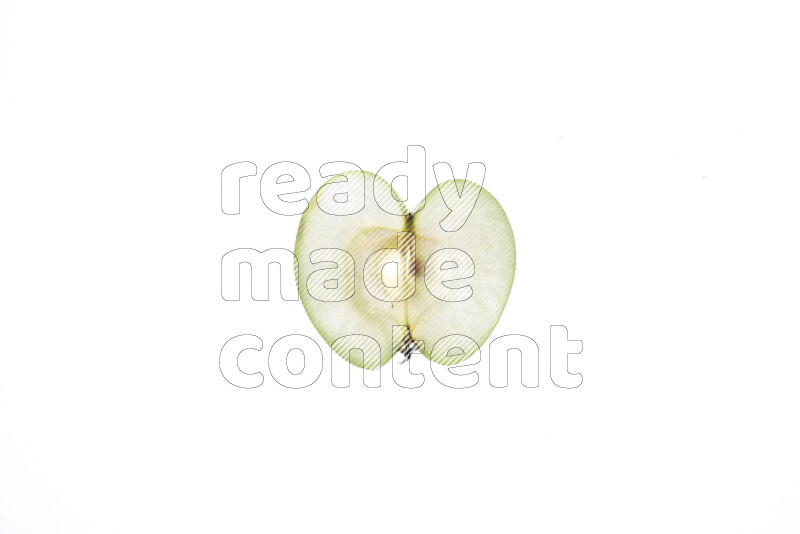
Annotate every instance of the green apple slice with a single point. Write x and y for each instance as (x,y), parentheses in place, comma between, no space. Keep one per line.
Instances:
(343,315)
(354,299)
(467,275)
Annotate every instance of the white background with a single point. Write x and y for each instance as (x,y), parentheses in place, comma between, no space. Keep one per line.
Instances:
(646,155)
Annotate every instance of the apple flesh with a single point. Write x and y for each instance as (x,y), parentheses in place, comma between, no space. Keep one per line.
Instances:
(375,283)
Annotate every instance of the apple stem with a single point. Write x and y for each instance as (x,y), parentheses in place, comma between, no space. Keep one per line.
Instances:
(408,345)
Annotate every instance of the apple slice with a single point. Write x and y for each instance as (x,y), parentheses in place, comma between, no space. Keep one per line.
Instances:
(467,275)
(362,274)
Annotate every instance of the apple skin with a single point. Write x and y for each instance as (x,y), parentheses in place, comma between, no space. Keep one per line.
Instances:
(332,246)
